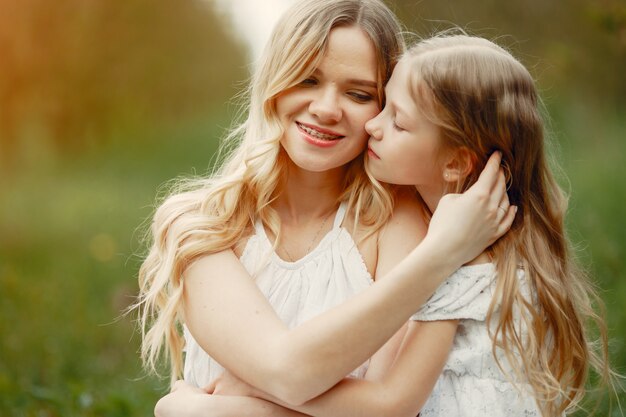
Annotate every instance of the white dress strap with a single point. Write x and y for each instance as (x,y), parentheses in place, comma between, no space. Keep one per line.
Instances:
(341,213)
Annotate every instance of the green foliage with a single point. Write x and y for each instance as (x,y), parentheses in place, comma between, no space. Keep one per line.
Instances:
(102,102)
(79,70)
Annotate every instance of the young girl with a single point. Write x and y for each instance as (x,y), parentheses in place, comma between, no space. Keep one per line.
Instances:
(292,211)
(521,347)
(517,312)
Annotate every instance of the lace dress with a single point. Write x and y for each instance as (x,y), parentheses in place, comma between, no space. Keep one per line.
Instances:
(327,276)
(471,383)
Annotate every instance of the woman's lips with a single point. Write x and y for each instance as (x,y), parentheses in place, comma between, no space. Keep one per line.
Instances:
(317,136)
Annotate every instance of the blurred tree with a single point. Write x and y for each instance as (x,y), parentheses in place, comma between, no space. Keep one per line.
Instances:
(580,45)
(77,68)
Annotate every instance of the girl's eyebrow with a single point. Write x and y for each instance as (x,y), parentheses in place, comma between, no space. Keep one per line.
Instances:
(354,81)
(397,108)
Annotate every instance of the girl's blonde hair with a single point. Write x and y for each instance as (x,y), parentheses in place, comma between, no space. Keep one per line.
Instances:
(215,213)
(484,100)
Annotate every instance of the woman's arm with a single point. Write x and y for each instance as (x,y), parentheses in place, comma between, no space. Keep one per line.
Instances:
(234,323)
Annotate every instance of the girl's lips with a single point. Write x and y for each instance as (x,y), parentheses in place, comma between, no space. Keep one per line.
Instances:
(372,154)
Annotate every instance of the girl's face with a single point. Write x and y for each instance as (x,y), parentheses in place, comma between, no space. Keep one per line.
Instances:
(404,145)
(324,116)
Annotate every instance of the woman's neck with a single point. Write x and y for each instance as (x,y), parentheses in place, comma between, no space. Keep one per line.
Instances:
(308,195)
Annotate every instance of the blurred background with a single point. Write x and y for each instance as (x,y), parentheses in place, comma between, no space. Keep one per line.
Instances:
(102,102)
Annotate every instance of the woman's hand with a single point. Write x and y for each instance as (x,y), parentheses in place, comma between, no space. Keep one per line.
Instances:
(229,384)
(188,401)
(183,400)
(464,225)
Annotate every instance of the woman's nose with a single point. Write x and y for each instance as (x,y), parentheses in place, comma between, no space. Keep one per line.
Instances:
(326,106)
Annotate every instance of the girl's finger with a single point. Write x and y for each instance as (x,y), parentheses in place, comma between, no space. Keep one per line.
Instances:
(506,222)
(503,206)
(179,383)
(211,387)
(489,175)
(498,192)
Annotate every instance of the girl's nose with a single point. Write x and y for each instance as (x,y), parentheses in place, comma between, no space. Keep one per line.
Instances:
(372,127)
(326,106)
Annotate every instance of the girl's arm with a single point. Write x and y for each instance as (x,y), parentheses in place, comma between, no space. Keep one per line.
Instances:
(234,323)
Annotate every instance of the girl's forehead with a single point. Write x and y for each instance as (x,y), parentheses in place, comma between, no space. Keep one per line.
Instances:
(401,78)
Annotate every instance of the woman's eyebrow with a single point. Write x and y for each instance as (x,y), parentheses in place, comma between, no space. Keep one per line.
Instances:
(356,81)
(364,83)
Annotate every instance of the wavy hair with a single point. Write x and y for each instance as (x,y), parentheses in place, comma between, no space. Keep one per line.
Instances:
(484,100)
(212,214)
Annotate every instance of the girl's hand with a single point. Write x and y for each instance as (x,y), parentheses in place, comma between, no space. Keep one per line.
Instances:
(229,384)
(464,225)
(183,401)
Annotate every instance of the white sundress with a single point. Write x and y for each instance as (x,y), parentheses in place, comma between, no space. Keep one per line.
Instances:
(471,383)
(327,276)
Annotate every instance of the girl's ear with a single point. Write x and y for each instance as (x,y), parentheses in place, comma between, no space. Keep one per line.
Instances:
(458,165)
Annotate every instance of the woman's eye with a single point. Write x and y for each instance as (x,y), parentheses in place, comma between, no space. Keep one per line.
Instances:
(307,82)
(361,97)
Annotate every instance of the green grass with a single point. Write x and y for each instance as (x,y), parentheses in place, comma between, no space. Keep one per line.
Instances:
(69,255)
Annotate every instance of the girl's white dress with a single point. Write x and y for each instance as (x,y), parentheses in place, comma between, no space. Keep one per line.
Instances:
(472,384)
(327,276)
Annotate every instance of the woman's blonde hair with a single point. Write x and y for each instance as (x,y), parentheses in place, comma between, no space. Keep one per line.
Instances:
(484,100)
(215,213)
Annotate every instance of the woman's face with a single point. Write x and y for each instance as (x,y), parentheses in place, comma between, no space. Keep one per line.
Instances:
(324,116)
(404,145)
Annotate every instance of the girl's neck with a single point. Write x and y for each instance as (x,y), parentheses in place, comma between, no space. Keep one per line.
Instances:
(430,195)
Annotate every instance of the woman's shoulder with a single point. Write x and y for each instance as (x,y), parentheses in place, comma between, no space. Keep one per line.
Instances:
(407,225)
(388,245)
(240,245)
(408,211)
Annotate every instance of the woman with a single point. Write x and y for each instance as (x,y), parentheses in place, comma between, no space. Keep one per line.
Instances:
(267,214)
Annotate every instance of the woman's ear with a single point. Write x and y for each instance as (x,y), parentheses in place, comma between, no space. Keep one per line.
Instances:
(458,165)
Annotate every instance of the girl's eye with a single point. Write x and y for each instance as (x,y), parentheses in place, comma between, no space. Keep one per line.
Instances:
(398,128)
(361,97)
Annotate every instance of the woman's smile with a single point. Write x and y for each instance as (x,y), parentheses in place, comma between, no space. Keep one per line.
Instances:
(318,136)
